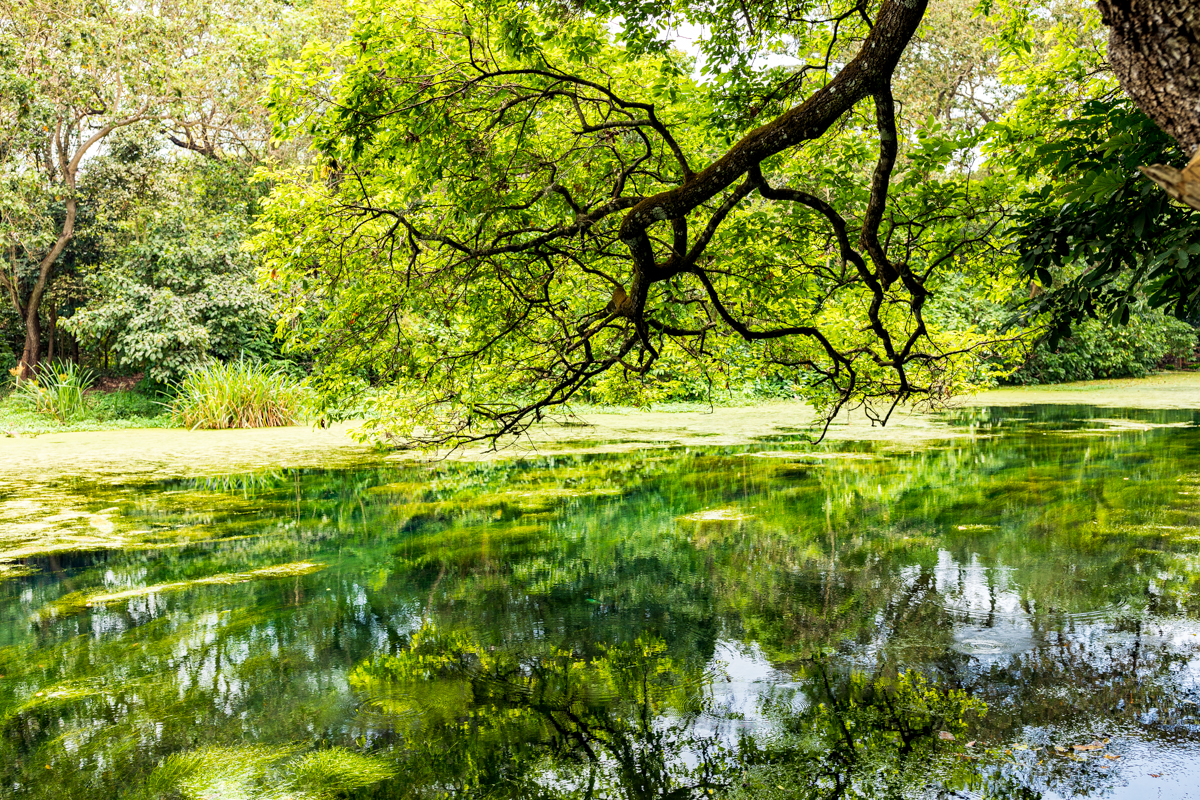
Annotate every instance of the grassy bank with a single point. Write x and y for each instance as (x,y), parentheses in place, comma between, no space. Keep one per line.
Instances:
(237,394)
(123,409)
(103,411)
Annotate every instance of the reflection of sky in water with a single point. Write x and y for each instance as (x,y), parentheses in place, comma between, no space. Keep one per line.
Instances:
(989,617)
(743,679)
(992,623)
(926,566)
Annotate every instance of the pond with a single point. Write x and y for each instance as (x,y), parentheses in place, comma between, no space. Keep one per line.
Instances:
(1013,612)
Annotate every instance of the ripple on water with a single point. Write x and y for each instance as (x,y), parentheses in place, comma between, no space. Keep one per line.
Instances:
(966,613)
(983,596)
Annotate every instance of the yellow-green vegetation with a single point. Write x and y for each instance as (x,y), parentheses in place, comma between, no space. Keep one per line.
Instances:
(91,517)
(79,601)
(20,416)
(716,515)
(675,265)
(262,773)
(878,737)
(31,528)
(58,390)
(585,720)
(238,394)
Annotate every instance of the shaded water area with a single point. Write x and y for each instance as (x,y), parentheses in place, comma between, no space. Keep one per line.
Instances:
(1009,613)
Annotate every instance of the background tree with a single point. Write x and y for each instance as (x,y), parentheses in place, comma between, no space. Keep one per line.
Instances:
(950,72)
(74,73)
(170,284)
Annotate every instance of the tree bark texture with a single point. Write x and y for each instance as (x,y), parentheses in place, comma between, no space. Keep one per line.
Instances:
(33,323)
(1154,49)
(33,343)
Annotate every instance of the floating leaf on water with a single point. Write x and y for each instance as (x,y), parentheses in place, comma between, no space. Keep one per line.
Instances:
(1096,745)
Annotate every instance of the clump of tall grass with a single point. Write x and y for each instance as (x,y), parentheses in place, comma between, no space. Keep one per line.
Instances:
(59,390)
(238,394)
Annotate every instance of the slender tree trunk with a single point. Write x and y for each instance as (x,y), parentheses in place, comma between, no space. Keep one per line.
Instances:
(33,342)
(1154,48)
(68,169)
(52,339)
(33,325)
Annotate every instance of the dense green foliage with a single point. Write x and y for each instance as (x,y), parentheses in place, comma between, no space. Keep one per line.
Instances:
(455,217)
(454,267)
(482,277)
(169,284)
(114,410)
(1096,231)
(130,135)
(1095,350)
(238,394)
(426,209)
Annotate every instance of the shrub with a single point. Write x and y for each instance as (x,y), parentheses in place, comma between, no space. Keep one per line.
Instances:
(165,283)
(58,390)
(238,394)
(125,405)
(8,362)
(1097,349)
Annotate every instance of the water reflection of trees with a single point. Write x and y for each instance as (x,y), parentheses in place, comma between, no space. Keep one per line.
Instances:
(543,722)
(874,565)
(547,723)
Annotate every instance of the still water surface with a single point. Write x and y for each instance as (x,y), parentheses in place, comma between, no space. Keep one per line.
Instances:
(767,621)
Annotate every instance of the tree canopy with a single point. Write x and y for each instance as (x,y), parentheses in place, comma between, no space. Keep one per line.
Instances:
(486,210)
(73,74)
(518,205)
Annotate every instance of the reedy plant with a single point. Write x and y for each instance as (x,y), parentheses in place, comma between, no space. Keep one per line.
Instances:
(59,390)
(238,394)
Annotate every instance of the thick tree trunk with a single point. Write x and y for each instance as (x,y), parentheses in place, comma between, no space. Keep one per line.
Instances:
(1154,48)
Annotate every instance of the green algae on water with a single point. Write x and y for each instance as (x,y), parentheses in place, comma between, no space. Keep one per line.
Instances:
(256,772)
(1051,576)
